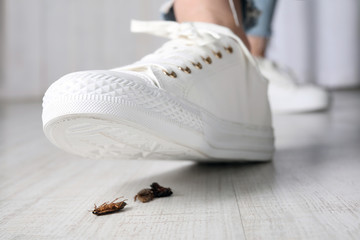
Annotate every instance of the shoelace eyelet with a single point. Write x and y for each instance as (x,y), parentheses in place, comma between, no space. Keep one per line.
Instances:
(172,74)
(207,60)
(186,69)
(197,65)
(228,49)
(217,54)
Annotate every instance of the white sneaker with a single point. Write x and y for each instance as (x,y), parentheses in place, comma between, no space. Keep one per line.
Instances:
(286,96)
(200,96)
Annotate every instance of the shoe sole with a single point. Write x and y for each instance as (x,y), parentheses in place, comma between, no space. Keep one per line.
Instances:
(148,123)
(137,135)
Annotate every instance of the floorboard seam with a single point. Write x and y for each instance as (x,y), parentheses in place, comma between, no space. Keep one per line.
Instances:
(237,204)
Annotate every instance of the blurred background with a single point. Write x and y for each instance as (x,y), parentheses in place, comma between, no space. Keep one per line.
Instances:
(41,40)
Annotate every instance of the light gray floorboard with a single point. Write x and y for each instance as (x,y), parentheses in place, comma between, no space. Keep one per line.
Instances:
(311,190)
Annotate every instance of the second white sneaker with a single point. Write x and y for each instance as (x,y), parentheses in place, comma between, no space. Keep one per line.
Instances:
(200,96)
(286,96)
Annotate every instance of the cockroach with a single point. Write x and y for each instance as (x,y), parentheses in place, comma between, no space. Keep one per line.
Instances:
(156,191)
(107,207)
(145,195)
(160,191)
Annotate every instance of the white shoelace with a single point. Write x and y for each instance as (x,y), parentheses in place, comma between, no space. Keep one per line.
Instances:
(190,44)
(233,11)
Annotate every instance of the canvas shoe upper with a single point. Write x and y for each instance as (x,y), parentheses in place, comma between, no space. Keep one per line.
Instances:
(286,96)
(199,96)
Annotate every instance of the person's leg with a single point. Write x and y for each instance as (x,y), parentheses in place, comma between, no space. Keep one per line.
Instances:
(258,45)
(258,35)
(215,11)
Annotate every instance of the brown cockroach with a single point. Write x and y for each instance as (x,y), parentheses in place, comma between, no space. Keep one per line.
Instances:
(160,191)
(107,207)
(145,195)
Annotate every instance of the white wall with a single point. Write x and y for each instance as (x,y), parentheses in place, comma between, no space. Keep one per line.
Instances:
(43,40)
(319,40)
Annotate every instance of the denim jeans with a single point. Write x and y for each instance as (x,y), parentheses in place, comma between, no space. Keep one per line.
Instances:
(263,26)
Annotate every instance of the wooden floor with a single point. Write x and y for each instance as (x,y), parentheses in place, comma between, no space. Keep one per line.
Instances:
(311,190)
